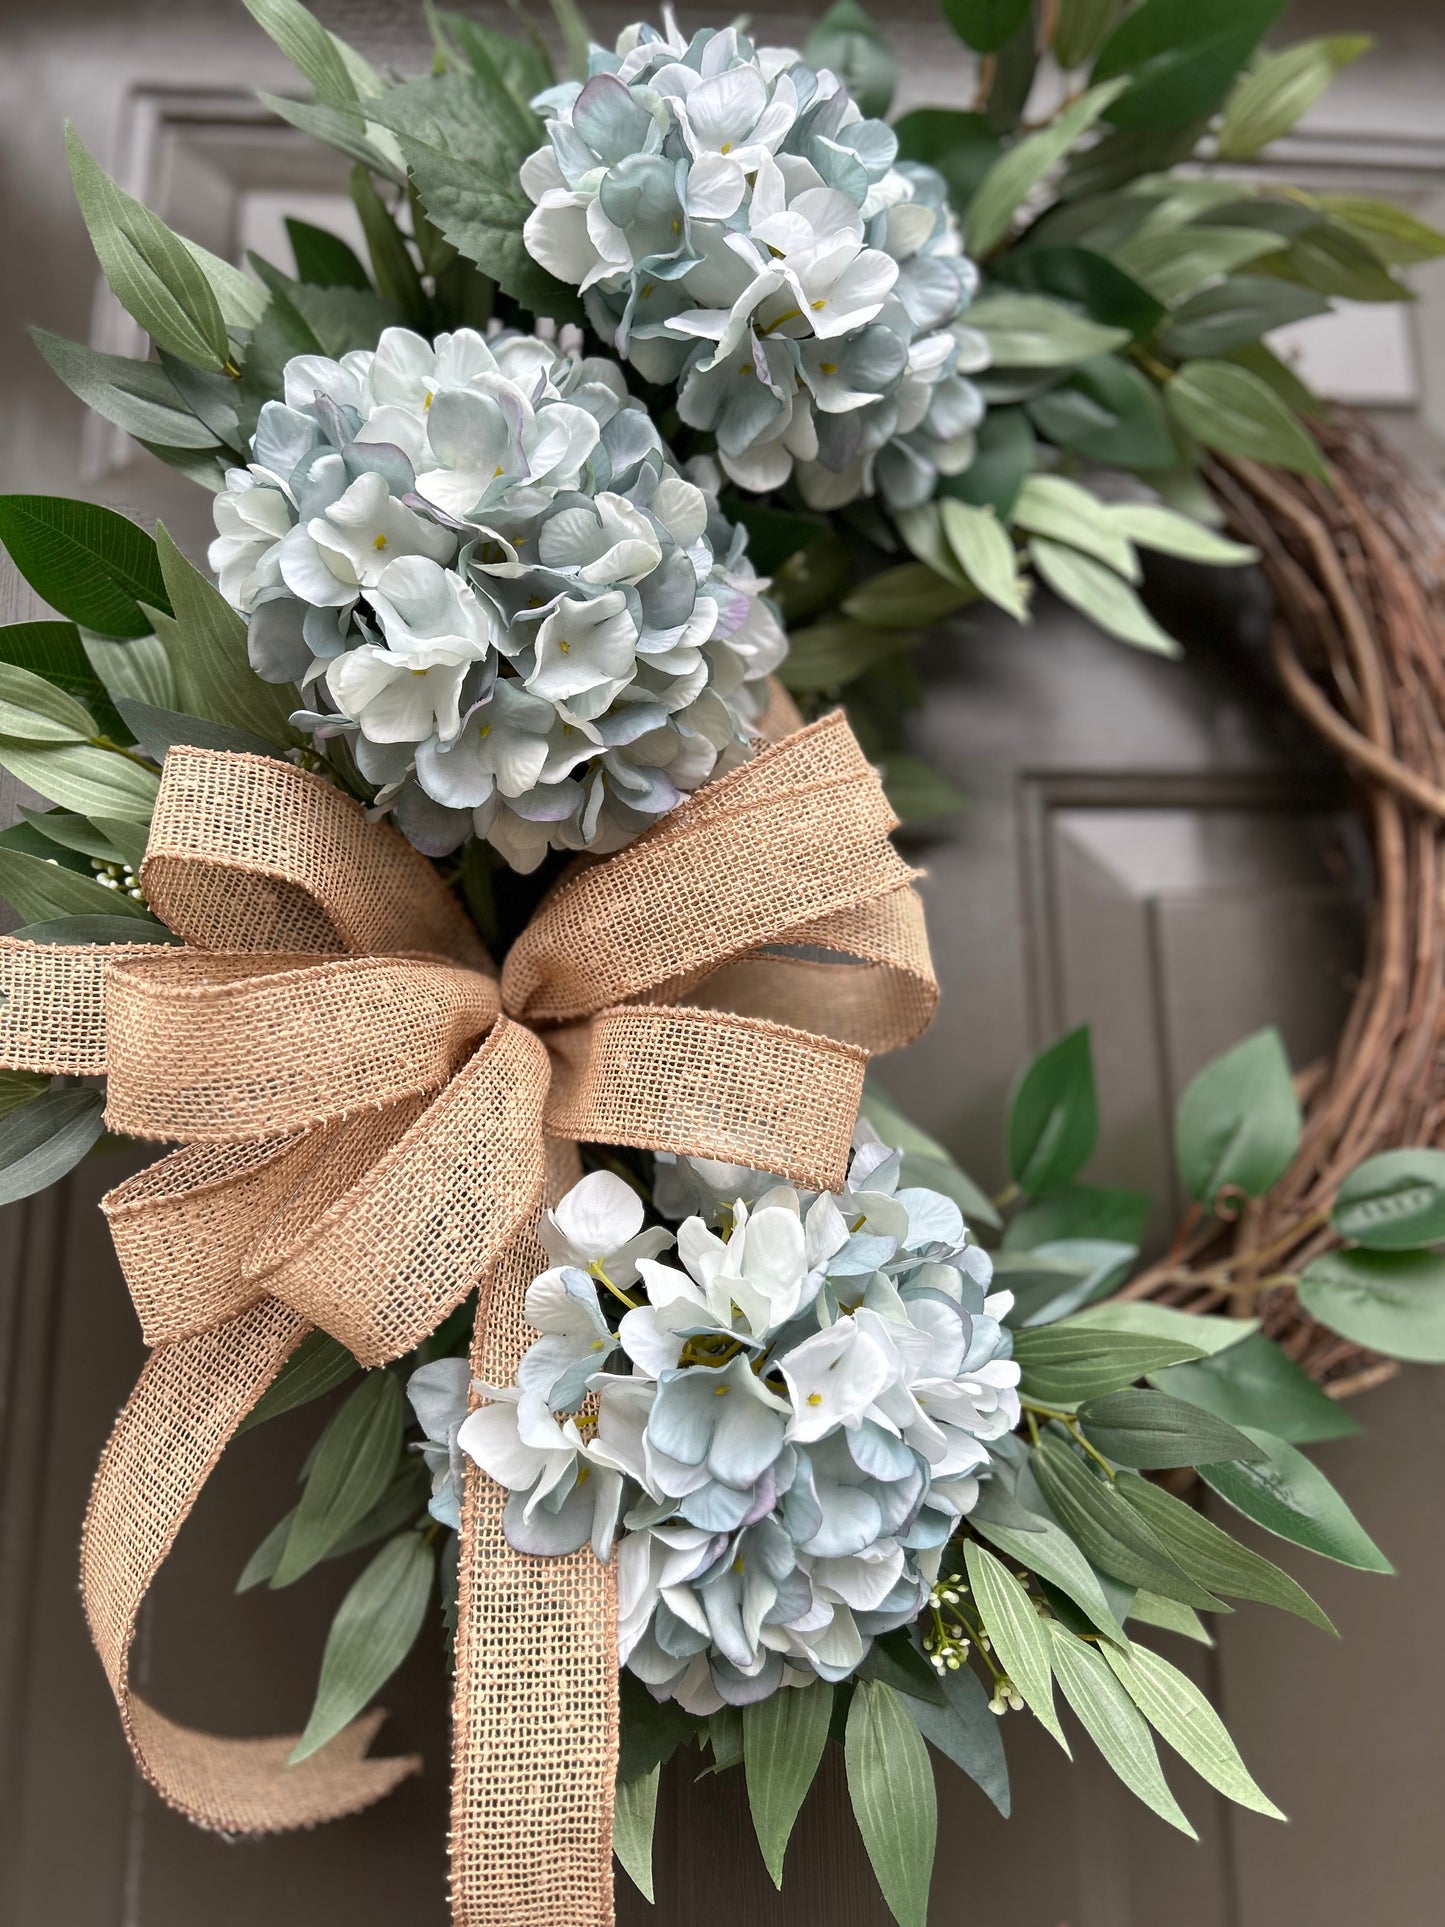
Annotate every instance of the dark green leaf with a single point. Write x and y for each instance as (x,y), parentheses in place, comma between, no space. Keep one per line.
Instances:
(890,1782)
(38,891)
(1149,1428)
(1109,1532)
(205,642)
(18,1087)
(985,25)
(964,1731)
(652,1730)
(910,596)
(1236,312)
(1109,411)
(1334,261)
(1053,1117)
(354,1465)
(1238,1123)
(1255,1383)
(137,396)
(783,1740)
(1046,1550)
(633,1819)
(1394,1202)
(1391,1301)
(318,1365)
(1006,455)
(847,41)
(1079,1211)
(1289,1496)
(1063,1364)
(1127,154)
(395,272)
(1021,167)
(1080,26)
(157,730)
(1114,1724)
(402,1504)
(1016,67)
(1228,407)
(324,260)
(961,146)
(1100,286)
(1182,56)
(374,1629)
(899,1664)
(90,929)
(87,562)
(47,1136)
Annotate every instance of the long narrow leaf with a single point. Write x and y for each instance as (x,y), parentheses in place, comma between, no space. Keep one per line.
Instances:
(1114,1724)
(783,1740)
(890,1782)
(1182,1716)
(1016,1632)
(373,1631)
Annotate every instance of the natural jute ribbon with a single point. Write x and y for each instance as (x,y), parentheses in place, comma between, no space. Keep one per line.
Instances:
(370,1123)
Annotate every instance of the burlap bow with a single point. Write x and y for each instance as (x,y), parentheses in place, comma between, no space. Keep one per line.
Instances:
(370,1123)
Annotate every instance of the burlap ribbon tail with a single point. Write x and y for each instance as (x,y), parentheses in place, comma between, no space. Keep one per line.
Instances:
(369,1123)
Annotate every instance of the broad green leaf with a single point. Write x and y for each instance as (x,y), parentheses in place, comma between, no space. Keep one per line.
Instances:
(1184,1719)
(97,782)
(925,1161)
(983,550)
(353,1467)
(1016,67)
(1097,592)
(1022,166)
(1230,408)
(1238,1123)
(1079,28)
(834,651)
(1392,233)
(136,395)
(634,1816)
(1051,1280)
(1031,331)
(1280,90)
(205,643)
(38,891)
(964,1731)
(1167,532)
(267,1556)
(1149,1428)
(152,274)
(1099,286)
(847,41)
(961,146)
(651,1730)
(783,1740)
(1335,261)
(138,669)
(374,1629)
(986,25)
(1113,1723)
(1046,1550)
(1110,1533)
(78,833)
(1212,1556)
(1395,1201)
(1004,455)
(42,1139)
(922,529)
(725,1737)
(1053,1116)
(1237,311)
(1182,55)
(1209,1333)
(1175,263)
(1168,1616)
(1016,1633)
(890,1782)
(1079,1211)
(18,1087)
(1053,506)
(56,651)
(33,710)
(324,259)
(87,562)
(93,929)
(338,128)
(317,1366)
(158,730)
(1289,1496)
(1110,411)
(910,596)
(308,46)
(916,791)
(1255,1383)
(1391,1301)
(1063,1365)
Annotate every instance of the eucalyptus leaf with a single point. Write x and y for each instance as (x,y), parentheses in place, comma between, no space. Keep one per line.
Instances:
(1168,1616)
(1097,592)
(783,1740)
(1184,1719)
(1113,1723)
(87,562)
(1015,1632)
(847,42)
(375,1628)
(1238,1123)
(1232,409)
(1394,1201)
(983,550)
(1022,166)
(1167,532)
(56,651)
(1255,1383)
(42,1139)
(354,1464)
(1149,1428)
(1209,1333)
(336,127)
(1050,1281)
(1289,1496)
(964,1731)
(308,46)
(1053,1116)
(634,1817)
(1046,1550)
(1392,233)
(890,1783)
(1391,1301)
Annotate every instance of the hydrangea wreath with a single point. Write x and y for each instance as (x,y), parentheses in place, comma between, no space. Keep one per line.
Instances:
(645,364)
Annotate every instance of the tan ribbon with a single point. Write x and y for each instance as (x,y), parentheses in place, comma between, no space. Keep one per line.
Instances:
(369,1126)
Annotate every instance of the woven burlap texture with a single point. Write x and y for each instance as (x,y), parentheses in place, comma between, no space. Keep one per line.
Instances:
(365,1137)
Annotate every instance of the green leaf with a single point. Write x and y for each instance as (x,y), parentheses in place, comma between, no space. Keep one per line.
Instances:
(1063,1365)
(1391,1301)
(984,551)
(847,41)
(38,891)
(964,1731)
(521,66)
(98,782)
(137,668)
(1149,1428)
(1032,331)
(1052,506)
(1236,312)
(158,730)
(1289,1496)
(18,1087)
(1049,1281)
(910,596)
(33,710)
(336,127)
(575,35)
(205,644)
(1005,454)
(1280,90)
(961,146)
(1182,56)
(1079,1211)
(1255,1383)
(374,1629)
(353,1467)
(152,274)
(54,650)
(1109,411)
(1238,1123)
(1168,1616)
(1108,1531)
(78,833)
(1167,532)
(323,259)
(1046,1550)
(317,1366)
(925,1161)
(1334,261)
(1175,263)
(267,1556)
(88,563)
(1212,1556)
(1098,285)
(1395,1201)
(1097,592)
(916,791)
(634,1816)
(890,1782)
(91,929)
(652,1730)
(1113,1723)
(1210,1334)
(1080,28)
(136,395)
(835,651)
(896,1661)
(1016,1632)
(1053,1116)
(1017,171)
(1184,1719)
(1232,409)
(395,272)
(922,530)
(986,25)
(1392,234)
(783,1740)
(308,46)
(43,1139)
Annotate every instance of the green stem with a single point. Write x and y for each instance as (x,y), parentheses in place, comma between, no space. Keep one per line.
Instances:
(617,1292)
(119,749)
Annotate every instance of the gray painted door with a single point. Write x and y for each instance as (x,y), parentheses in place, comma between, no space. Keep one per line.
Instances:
(1150,847)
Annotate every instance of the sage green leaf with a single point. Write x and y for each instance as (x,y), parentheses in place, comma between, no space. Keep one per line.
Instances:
(983,550)
(1184,1719)
(90,929)
(1073,1211)
(1334,261)
(1255,1383)
(1230,408)
(241,302)
(33,710)
(1174,263)
(1046,1550)
(783,1740)
(1168,533)
(1390,232)
(1110,411)
(205,643)
(964,1731)
(337,128)
(374,1629)
(1182,54)
(1111,1534)
(651,1730)
(267,1556)
(18,1087)
(55,651)
(43,1139)
(1238,1123)
(1168,1616)
(922,529)
(1151,1429)
(916,791)
(986,25)
(353,1467)
(847,41)
(1100,286)
(151,273)
(910,596)
(158,730)
(323,259)
(576,36)
(522,66)
(1391,1301)
(1394,1202)
(1214,1557)
(1210,1334)
(1062,1364)
(396,274)
(87,562)
(1280,90)
(725,1738)
(634,1817)
(1113,1723)
(1289,1496)
(38,891)
(136,395)
(922,1152)
(317,1366)
(1097,592)
(1080,27)
(1053,506)
(1049,1281)
(1005,454)
(961,146)
(138,669)
(895,1660)
(1237,311)
(79,834)
(1017,171)
(1016,1633)
(829,653)
(1031,331)
(1053,1116)
(890,1782)
(77,777)
(308,46)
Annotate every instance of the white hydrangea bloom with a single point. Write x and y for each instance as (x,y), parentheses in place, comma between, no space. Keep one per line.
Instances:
(477,558)
(738,229)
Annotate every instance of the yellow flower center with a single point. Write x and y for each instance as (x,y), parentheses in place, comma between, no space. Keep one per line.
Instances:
(426,404)
(821,302)
(379,543)
(564,646)
(827,367)
(721,1391)
(484,730)
(815,1398)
